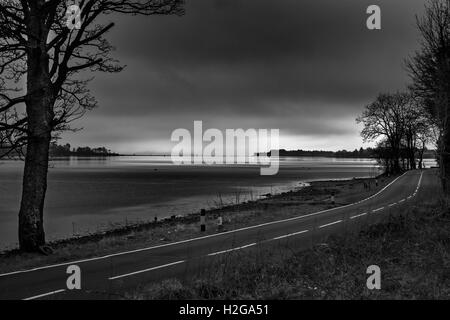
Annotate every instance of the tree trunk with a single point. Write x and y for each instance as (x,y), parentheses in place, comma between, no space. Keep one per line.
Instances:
(412,155)
(412,160)
(31,215)
(421,160)
(31,219)
(445,163)
(39,106)
(396,168)
(444,156)
(40,115)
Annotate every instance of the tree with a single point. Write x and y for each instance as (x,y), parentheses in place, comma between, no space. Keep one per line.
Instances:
(417,128)
(385,118)
(42,54)
(429,69)
(383,154)
(403,126)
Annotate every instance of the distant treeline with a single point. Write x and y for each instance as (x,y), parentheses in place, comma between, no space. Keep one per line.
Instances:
(67,151)
(361,153)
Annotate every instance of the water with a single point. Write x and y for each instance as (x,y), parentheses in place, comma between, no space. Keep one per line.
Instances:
(87,195)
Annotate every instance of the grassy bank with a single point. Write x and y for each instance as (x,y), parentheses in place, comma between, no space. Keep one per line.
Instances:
(313,198)
(411,246)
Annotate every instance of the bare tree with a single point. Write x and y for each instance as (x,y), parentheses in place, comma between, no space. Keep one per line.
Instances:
(385,118)
(383,155)
(43,51)
(429,69)
(417,128)
(401,127)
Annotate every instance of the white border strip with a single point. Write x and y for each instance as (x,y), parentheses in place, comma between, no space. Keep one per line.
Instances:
(147,270)
(290,235)
(234,249)
(45,294)
(358,215)
(329,224)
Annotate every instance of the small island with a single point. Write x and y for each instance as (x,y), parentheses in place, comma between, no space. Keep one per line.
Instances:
(67,151)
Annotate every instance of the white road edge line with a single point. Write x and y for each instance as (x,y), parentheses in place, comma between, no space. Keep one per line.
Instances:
(376,210)
(403,200)
(358,215)
(45,294)
(201,238)
(290,235)
(330,224)
(146,270)
(392,204)
(234,249)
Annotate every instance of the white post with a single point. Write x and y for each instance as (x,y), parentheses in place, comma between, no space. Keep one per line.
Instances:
(202,220)
(220,223)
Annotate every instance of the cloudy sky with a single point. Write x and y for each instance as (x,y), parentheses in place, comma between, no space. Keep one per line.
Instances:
(307,67)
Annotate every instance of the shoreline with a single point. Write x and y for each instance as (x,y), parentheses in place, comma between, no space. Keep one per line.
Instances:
(189,217)
(312,198)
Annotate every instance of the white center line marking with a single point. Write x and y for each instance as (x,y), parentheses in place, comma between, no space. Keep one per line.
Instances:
(147,270)
(45,294)
(401,201)
(290,235)
(378,209)
(392,204)
(358,215)
(330,224)
(234,249)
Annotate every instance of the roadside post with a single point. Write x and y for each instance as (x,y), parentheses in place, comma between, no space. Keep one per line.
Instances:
(202,220)
(220,224)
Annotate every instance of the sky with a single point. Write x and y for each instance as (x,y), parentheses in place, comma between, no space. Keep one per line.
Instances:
(306,67)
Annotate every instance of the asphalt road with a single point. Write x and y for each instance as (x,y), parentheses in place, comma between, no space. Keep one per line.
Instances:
(104,277)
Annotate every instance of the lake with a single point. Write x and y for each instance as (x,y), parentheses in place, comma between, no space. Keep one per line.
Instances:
(92,194)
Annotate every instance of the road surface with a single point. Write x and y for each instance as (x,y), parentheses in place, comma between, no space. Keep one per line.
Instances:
(104,277)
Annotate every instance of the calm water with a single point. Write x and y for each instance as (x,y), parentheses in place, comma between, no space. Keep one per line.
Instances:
(89,195)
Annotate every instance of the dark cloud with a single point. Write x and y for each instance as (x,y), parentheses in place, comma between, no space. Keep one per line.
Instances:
(306,67)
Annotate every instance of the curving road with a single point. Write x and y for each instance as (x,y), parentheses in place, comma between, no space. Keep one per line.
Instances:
(102,277)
